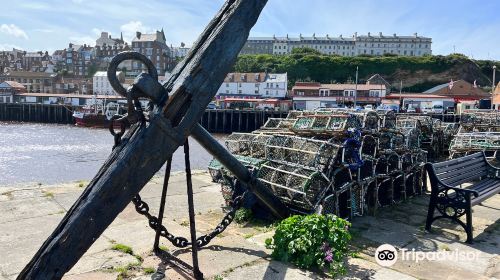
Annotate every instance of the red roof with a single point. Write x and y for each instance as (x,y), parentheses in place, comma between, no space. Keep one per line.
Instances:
(242,100)
(417,95)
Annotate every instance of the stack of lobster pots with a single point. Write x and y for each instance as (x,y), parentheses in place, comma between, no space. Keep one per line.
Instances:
(343,162)
(479,131)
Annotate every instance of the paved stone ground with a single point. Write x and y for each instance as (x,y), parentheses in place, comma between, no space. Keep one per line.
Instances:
(29,213)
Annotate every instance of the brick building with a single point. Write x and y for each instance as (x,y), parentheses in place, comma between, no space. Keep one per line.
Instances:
(77,60)
(155,48)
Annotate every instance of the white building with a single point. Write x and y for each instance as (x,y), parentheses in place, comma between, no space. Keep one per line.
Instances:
(101,83)
(106,39)
(345,46)
(254,85)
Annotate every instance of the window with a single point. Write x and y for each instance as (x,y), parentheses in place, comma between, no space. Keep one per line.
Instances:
(239,91)
(239,84)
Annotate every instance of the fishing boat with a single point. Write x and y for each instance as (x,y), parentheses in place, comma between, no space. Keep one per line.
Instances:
(96,115)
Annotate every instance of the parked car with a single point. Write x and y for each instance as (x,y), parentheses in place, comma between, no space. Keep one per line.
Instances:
(411,110)
(212,106)
(437,109)
(369,107)
(427,110)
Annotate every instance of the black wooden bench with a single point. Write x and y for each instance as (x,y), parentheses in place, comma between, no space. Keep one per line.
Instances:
(450,199)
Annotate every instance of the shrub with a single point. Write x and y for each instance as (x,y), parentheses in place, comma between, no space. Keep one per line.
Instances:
(313,241)
(243,215)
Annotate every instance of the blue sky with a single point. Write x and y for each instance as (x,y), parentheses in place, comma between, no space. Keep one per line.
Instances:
(472,27)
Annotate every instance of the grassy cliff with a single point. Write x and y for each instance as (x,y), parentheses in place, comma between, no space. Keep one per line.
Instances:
(417,73)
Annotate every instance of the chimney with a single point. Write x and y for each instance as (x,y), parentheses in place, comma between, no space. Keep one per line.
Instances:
(138,35)
(416,35)
(394,35)
(380,34)
(340,36)
(355,35)
(368,34)
(109,36)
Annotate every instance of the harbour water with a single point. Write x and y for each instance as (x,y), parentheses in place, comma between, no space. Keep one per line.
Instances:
(51,153)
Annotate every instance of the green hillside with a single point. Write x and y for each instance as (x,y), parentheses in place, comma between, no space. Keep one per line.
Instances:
(417,73)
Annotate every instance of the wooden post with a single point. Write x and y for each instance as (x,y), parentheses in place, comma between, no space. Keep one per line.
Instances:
(144,149)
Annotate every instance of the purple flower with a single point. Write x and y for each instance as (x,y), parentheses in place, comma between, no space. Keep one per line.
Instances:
(329,256)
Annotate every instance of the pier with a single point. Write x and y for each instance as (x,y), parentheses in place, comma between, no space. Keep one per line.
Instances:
(216,121)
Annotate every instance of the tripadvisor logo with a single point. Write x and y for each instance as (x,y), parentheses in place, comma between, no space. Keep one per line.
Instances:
(386,255)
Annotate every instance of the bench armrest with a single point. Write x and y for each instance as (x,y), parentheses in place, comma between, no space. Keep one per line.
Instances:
(467,191)
(436,183)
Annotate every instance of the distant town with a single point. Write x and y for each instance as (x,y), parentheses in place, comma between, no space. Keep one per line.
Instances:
(76,75)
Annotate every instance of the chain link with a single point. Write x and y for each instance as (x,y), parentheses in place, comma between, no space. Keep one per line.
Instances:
(178,241)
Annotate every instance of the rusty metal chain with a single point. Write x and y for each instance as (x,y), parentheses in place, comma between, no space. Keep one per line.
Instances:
(143,208)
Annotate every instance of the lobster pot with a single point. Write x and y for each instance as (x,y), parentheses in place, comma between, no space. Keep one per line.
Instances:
(215,171)
(278,124)
(221,175)
(294,114)
(298,187)
(371,197)
(345,204)
(247,144)
(368,146)
(325,124)
(477,117)
(398,187)
(369,120)
(385,191)
(410,183)
(367,171)
(466,143)
(315,154)
(388,118)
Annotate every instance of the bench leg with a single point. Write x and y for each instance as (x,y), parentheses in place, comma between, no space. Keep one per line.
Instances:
(468,225)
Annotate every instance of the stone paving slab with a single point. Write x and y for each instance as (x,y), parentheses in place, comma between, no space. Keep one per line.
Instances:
(30,212)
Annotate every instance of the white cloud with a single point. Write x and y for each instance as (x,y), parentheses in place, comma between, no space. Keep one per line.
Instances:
(14,30)
(130,28)
(96,31)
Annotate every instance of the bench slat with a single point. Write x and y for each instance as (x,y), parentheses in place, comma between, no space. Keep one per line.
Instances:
(458,160)
(483,196)
(464,164)
(465,177)
(459,171)
(484,185)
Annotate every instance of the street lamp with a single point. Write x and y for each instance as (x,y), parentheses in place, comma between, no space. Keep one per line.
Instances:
(493,86)
(356,88)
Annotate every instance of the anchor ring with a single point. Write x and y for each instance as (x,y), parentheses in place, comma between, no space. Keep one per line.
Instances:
(119,58)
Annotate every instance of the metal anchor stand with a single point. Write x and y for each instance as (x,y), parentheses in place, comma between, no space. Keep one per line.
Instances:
(165,256)
(146,86)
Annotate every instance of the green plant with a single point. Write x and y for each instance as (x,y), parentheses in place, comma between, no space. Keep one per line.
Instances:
(148,270)
(218,277)
(243,215)
(313,241)
(123,248)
